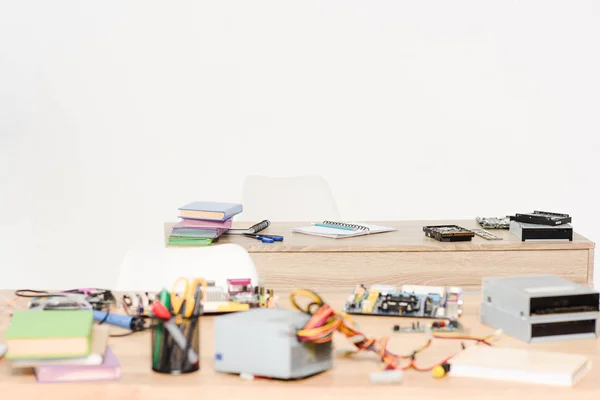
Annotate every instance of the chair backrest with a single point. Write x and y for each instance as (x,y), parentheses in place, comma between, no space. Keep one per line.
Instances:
(153,268)
(299,198)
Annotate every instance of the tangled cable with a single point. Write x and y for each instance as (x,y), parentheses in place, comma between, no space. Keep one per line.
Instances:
(325,321)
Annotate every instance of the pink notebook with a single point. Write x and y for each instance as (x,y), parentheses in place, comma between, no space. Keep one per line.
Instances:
(110,369)
(186,223)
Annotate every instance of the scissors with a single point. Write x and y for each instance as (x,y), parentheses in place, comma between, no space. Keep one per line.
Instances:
(184,303)
(265,238)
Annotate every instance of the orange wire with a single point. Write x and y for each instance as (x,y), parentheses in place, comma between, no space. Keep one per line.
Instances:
(325,321)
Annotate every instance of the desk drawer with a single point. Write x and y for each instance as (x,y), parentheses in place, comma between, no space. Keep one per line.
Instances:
(340,272)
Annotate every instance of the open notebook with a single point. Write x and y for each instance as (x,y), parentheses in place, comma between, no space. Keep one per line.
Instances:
(339,230)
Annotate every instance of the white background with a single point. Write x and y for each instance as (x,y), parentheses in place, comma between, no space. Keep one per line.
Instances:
(114,113)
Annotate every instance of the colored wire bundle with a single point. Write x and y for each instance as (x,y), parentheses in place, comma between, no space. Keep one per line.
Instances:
(325,321)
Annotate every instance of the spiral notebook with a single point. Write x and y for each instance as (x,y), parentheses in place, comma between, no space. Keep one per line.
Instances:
(339,230)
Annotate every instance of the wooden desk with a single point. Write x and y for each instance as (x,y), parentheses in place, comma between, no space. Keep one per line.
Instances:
(349,379)
(406,256)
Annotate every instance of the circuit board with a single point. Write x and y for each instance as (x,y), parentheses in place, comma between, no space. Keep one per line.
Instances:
(238,295)
(449,326)
(493,222)
(413,301)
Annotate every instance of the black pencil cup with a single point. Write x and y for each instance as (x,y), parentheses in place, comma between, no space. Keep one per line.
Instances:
(176,345)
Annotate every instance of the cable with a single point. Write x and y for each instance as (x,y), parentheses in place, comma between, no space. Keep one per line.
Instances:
(325,321)
(30,293)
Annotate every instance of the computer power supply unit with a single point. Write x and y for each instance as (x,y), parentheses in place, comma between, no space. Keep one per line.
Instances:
(262,342)
(540,308)
(524,231)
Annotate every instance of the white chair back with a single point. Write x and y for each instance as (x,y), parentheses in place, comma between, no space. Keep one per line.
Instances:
(300,198)
(152,269)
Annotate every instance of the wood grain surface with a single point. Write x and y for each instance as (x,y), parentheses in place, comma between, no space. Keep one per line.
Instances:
(408,237)
(406,256)
(340,272)
(349,379)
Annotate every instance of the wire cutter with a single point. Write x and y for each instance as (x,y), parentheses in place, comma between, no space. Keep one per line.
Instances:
(265,238)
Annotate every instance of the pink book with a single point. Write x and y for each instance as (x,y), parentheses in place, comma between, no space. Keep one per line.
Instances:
(186,223)
(110,369)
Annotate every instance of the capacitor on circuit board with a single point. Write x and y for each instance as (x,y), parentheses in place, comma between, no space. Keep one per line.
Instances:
(262,300)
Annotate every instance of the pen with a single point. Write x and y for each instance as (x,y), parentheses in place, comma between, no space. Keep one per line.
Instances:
(178,337)
(334,227)
(195,315)
(167,340)
(181,341)
(180,328)
(164,298)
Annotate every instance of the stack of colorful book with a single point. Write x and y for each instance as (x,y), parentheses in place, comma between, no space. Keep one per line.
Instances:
(202,222)
(61,346)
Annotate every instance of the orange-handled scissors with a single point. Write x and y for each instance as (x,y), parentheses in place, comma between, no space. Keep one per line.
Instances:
(184,303)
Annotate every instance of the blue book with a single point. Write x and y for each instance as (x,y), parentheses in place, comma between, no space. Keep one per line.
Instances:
(210,210)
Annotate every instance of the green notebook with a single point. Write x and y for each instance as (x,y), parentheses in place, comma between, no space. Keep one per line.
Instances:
(188,241)
(49,334)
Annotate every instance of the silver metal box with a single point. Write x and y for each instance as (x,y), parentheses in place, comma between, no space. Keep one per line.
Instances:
(262,342)
(540,308)
(525,231)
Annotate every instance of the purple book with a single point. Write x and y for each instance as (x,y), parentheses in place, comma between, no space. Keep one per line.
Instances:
(110,369)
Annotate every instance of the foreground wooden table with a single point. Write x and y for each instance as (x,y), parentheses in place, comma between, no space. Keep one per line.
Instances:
(349,379)
(406,256)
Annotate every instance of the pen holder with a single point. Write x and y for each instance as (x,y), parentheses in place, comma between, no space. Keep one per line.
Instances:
(176,345)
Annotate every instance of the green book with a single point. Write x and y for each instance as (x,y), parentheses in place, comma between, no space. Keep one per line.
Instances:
(49,334)
(188,241)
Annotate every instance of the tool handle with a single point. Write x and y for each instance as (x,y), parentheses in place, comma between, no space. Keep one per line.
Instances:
(123,321)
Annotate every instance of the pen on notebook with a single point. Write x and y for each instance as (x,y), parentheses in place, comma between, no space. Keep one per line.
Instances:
(334,227)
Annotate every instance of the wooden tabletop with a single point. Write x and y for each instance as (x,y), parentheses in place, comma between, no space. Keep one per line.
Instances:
(409,237)
(349,379)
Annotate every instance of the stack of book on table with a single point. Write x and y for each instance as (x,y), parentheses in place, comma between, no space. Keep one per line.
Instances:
(202,222)
(61,346)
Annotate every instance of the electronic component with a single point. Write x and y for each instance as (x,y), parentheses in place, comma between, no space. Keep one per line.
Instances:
(448,233)
(75,299)
(542,218)
(389,376)
(525,231)
(408,301)
(437,326)
(485,234)
(540,308)
(263,342)
(439,371)
(235,295)
(325,321)
(493,222)
(60,302)
(238,295)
